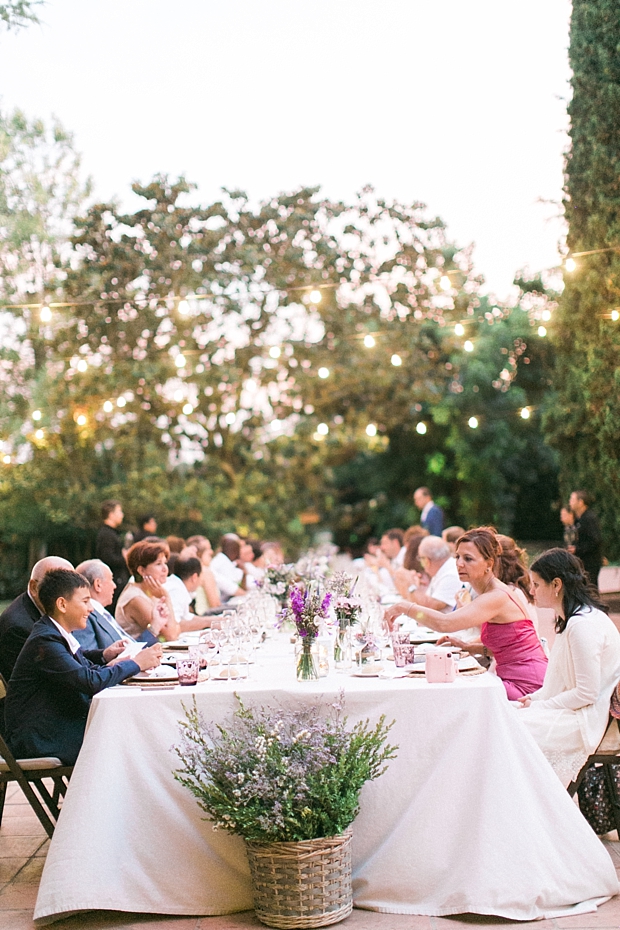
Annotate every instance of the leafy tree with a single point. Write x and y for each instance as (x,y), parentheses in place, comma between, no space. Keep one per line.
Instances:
(583,419)
(19,13)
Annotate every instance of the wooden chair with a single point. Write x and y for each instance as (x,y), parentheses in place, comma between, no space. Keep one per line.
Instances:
(606,755)
(29,775)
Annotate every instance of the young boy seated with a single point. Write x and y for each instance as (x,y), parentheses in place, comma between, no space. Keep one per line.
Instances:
(52,684)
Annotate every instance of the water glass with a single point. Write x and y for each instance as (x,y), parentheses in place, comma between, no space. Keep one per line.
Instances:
(188,668)
(403,650)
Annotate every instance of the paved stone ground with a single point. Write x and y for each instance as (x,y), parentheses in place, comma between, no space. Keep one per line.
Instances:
(23,846)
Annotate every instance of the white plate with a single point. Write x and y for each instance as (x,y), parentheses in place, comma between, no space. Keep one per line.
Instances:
(374,673)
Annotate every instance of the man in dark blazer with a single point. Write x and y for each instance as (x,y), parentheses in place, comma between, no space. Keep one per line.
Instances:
(18,619)
(53,682)
(431,516)
(109,546)
(589,544)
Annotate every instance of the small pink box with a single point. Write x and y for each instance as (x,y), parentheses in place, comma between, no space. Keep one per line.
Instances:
(441,665)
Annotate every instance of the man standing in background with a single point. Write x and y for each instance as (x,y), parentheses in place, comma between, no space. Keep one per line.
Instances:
(431,516)
(589,545)
(109,548)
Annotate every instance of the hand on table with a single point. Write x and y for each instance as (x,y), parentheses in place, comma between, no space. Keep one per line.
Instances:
(149,657)
(111,653)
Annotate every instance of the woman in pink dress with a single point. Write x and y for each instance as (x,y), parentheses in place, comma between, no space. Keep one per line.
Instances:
(507,633)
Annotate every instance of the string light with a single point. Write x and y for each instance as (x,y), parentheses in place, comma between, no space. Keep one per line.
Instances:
(371,430)
(36,414)
(473,423)
(468,345)
(546,315)
(274,352)
(180,360)
(542,330)
(82,420)
(445,283)
(570,264)
(121,402)
(45,315)
(421,428)
(525,413)
(183,307)
(187,409)
(82,365)
(322,429)
(323,373)
(39,434)
(369,341)
(108,406)
(6,459)
(396,360)
(459,329)
(230,418)
(315,297)
(615,315)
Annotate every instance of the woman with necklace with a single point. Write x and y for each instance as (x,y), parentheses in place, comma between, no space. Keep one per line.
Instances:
(567,717)
(507,632)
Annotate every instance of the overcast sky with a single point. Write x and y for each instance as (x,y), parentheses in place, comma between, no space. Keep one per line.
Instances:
(460,104)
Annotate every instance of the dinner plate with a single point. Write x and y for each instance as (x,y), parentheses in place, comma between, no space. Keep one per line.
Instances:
(374,673)
(143,679)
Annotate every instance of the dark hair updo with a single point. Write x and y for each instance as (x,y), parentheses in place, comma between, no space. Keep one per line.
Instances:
(577,590)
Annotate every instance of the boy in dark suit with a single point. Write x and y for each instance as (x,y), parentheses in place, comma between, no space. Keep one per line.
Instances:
(53,682)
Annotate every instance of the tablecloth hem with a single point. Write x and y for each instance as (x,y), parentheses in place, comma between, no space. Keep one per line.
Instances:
(44,920)
(582,907)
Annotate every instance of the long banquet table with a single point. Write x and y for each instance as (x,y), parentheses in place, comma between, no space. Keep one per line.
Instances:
(468,818)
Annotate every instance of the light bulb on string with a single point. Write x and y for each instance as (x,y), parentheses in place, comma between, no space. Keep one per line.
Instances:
(187,409)
(322,429)
(542,330)
(180,360)
(275,352)
(82,365)
(546,315)
(570,264)
(230,418)
(315,296)
(108,406)
(525,413)
(6,459)
(615,315)
(459,329)
(468,346)
(369,341)
(371,430)
(183,307)
(445,283)
(473,422)
(396,360)
(45,315)
(421,428)
(323,373)
(81,420)
(121,402)
(36,414)
(39,434)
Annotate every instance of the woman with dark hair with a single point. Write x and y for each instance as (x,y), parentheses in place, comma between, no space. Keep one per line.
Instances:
(144,609)
(500,610)
(567,717)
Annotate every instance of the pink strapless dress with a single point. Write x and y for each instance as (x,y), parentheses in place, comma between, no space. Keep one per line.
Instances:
(519,657)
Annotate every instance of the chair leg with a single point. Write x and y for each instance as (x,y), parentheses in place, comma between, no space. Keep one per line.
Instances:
(3,788)
(47,798)
(37,807)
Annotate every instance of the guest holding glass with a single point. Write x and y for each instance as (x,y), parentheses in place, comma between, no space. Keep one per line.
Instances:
(144,609)
(568,716)
(507,632)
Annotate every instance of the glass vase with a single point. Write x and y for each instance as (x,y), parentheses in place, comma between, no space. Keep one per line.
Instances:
(307,666)
(342,647)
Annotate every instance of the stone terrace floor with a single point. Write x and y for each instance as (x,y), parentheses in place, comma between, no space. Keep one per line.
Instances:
(23,846)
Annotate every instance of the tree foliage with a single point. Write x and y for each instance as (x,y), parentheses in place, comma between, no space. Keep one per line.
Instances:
(584,415)
(19,13)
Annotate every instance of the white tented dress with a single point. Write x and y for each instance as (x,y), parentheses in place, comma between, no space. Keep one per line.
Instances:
(568,715)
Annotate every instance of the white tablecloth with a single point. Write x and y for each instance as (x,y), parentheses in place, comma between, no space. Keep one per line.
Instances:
(468,818)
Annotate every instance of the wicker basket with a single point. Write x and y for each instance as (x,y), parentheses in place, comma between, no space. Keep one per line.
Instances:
(306,884)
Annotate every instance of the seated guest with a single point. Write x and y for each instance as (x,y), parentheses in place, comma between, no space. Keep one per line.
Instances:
(18,619)
(144,605)
(52,684)
(271,554)
(440,593)
(181,587)
(568,716)
(501,611)
(225,568)
(250,551)
(101,628)
(207,593)
(451,535)
(148,527)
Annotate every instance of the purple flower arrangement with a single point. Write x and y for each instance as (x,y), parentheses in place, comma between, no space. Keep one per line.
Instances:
(308,607)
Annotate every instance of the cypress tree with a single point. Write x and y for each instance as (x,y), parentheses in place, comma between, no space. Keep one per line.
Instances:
(584,419)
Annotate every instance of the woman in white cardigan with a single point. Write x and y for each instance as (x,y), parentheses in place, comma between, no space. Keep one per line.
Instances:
(568,716)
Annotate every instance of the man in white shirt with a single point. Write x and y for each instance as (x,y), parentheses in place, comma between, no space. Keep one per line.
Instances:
(228,575)
(181,586)
(440,566)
